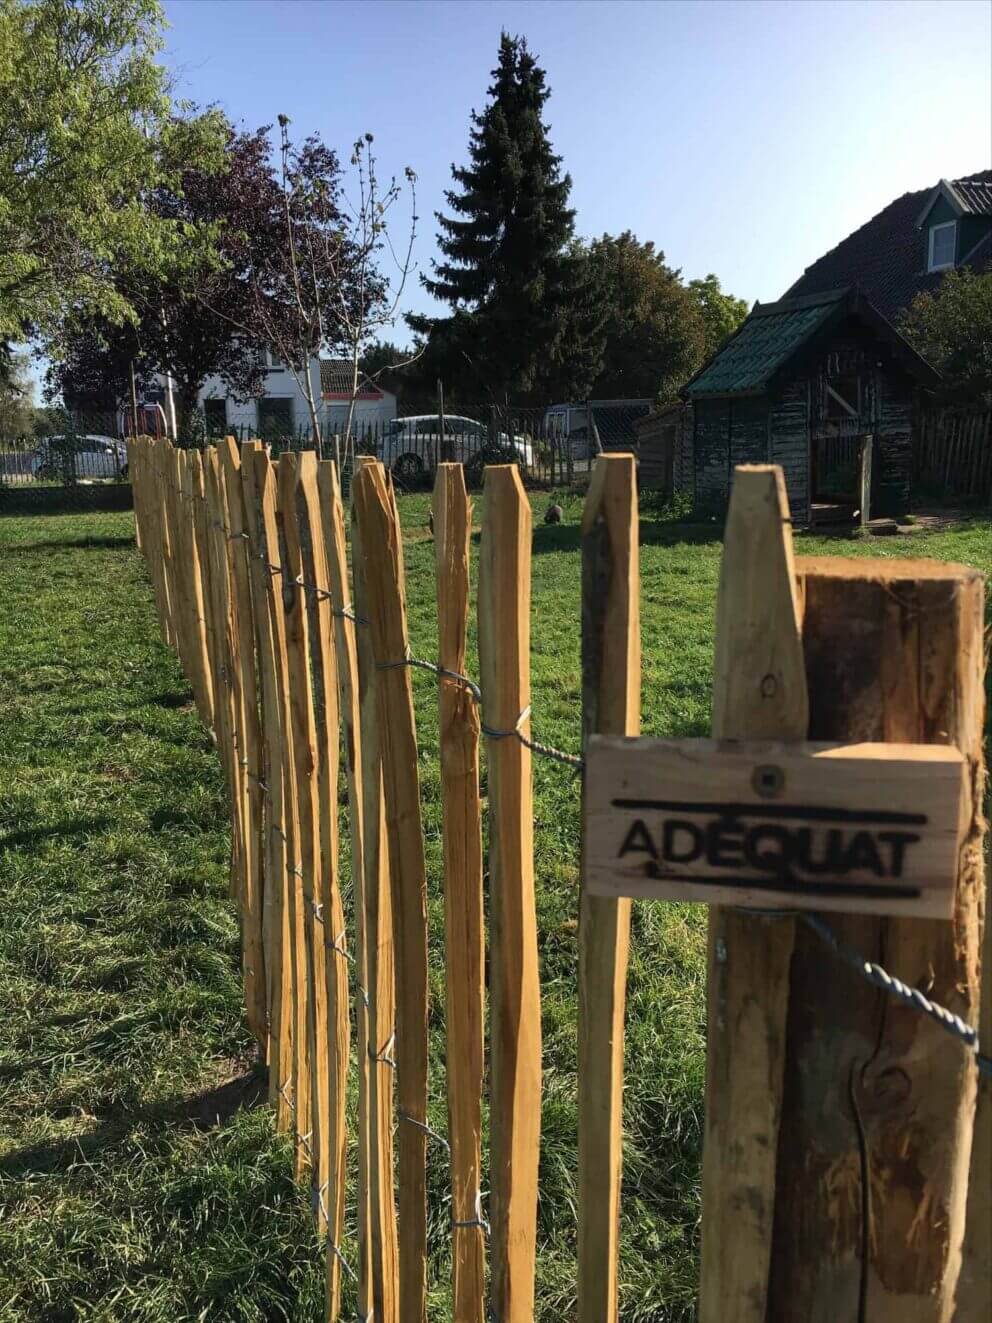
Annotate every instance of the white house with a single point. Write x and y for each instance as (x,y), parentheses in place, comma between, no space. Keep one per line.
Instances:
(282,410)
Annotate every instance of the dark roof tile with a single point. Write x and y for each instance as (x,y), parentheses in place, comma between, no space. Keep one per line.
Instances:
(886,257)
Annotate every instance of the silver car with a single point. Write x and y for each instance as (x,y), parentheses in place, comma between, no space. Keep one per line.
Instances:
(413,447)
(79,457)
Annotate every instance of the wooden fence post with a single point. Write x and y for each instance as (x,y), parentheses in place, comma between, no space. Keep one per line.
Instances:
(464,938)
(250,754)
(879,1103)
(864,482)
(611,705)
(759,692)
(311,953)
(380,959)
(295,966)
(515,997)
(346,650)
(385,608)
(313,566)
(275,919)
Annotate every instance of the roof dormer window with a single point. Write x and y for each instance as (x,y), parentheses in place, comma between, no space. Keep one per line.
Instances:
(943,244)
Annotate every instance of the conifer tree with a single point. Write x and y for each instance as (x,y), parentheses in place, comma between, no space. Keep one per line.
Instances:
(523,321)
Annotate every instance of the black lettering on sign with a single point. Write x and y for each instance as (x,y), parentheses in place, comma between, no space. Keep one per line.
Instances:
(813,858)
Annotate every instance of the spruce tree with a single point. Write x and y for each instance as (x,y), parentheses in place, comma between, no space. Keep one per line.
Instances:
(523,322)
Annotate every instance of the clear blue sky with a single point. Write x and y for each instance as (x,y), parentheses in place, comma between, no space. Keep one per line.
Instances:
(743,138)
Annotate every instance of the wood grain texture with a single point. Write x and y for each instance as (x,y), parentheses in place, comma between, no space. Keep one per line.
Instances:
(611,704)
(862,828)
(245,670)
(275,917)
(877,1122)
(458,721)
(515,997)
(312,957)
(385,608)
(331,512)
(759,692)
(189,512)
(295,986)
(313,569)
(380,956)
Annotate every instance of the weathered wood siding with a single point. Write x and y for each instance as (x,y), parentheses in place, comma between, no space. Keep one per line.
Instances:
(789,445)
(711,455)
(893,458)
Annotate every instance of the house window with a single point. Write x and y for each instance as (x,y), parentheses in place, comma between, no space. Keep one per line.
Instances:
(215,417)
(943,241)
(275,418)
(275,362)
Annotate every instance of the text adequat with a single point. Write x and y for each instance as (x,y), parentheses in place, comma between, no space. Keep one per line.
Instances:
(872,828)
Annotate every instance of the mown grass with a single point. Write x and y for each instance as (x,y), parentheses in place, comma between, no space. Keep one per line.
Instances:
(139,1180)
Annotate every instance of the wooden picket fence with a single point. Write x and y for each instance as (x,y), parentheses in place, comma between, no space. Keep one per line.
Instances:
(294,655)
(952,453)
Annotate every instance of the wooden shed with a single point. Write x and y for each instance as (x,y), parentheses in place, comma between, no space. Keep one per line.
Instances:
(801,383)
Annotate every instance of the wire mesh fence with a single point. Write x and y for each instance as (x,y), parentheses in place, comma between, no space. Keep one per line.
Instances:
(78,459)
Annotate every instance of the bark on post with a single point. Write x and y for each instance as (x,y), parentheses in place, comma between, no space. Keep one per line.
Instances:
(878,1111)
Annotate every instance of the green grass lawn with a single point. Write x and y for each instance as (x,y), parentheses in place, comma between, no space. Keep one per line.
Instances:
(139,1177)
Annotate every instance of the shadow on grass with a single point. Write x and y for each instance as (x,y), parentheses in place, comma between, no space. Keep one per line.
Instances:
(72,543)
(34,835)
(202,1111)
(660,532)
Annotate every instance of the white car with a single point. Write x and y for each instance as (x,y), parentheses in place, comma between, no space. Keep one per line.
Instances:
(414,446)
(80,457)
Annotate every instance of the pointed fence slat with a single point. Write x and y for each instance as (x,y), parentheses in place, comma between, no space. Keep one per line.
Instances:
(385,608)
(250,758)
(312,956)
(380,959)
(275,918)
(335,1047)
(298,1080)
(515,999)
(345,652)
(458,722)
(759,692)
(611,705)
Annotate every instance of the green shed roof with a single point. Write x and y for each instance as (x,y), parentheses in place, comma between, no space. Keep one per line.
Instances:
(765,341)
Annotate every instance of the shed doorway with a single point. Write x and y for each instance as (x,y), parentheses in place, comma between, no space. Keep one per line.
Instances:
(837,437)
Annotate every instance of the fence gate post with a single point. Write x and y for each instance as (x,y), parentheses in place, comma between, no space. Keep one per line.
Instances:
(879,1104)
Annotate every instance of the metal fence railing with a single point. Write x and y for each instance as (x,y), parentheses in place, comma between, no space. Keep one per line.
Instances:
(82,456)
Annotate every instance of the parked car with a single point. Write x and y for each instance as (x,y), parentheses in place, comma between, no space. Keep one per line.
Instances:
(413,447)
(79,457)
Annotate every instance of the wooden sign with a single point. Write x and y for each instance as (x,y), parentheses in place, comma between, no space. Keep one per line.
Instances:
(869,828)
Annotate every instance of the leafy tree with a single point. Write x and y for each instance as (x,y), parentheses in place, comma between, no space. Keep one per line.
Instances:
(16,399)
(654,333)
(320,287)
(84,135)
(952,329)
(722,313)
(522,317)
(187,317)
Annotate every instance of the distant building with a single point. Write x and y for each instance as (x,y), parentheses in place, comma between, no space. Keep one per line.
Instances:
(798,384)
(282,410)
(909,245)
